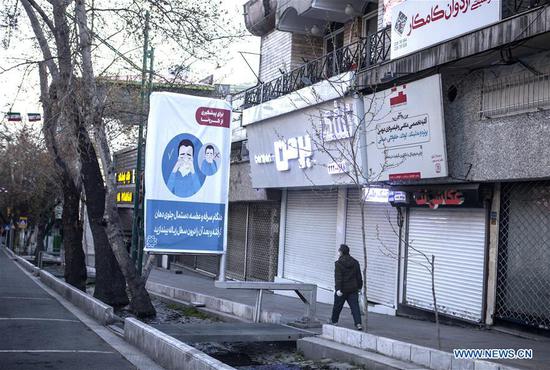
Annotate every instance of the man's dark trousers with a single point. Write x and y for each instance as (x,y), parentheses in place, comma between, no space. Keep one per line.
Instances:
(353,302)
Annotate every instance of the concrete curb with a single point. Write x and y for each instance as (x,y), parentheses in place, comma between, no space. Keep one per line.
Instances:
(225,306)
(166,350)
(422,356)
(317,348)
(10,252)
(28,266)
(93,307)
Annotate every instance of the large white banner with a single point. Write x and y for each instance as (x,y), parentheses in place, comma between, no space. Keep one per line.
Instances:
(419,24)
(187,174)
(406,132)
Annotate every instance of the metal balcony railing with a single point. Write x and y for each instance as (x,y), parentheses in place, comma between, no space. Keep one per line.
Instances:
(361,54)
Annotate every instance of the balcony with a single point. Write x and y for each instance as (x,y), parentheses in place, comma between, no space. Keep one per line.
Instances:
(361,54)
(374,51)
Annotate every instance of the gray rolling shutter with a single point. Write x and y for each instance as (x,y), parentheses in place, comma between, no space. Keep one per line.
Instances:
(236,239)
(310,239)
(382,244)
(209,264)
(263,241)
(456,237)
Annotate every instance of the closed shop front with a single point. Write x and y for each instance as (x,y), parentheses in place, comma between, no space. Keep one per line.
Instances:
(236,240)
(456,238)
(286,154)
(310,237)
(523,275)
(252,243)
(382,241)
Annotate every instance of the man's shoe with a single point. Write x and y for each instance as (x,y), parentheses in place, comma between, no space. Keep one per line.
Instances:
(332,323)
(359,327)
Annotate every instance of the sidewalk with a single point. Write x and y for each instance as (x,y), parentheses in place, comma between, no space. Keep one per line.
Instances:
(398,328)
(39,333)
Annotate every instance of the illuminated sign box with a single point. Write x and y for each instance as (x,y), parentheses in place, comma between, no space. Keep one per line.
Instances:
(124,197)
(125,177)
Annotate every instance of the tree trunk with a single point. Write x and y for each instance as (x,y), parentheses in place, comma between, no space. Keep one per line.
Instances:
(75,264)
(40,239)
(110,286)
(436,310)
(364,240)
(140,302)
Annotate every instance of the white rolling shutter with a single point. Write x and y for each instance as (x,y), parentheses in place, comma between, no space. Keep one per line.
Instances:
(310,237)
(456,237)
(382,244)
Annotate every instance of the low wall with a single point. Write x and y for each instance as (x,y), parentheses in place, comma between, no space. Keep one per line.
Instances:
(93,307)
(430,358)
(166,350)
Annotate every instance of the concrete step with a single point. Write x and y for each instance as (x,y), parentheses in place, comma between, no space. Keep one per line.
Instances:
(317,348)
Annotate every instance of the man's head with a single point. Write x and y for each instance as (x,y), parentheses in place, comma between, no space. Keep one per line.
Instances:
(185,154)
(209,153)
(343,250)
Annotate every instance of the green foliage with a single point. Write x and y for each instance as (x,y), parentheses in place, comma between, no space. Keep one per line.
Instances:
(189,311)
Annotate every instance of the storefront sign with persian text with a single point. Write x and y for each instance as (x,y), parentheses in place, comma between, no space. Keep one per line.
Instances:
(420,24)
(406,135)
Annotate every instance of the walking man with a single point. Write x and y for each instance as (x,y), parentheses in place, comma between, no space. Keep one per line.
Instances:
(348,283)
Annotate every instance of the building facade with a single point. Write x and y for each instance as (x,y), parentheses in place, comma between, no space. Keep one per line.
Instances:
(432,122)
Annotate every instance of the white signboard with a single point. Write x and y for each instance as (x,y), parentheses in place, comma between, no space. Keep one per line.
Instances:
(419,24)
(307,147)
(187,174)
(406,132)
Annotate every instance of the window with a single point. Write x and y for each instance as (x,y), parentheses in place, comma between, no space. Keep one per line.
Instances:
(514,94)
(370,21)
(334,41)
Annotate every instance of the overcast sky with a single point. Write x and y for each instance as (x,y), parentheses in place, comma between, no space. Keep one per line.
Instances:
(19,87)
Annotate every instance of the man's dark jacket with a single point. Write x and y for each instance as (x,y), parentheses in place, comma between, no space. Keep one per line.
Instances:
(347,275)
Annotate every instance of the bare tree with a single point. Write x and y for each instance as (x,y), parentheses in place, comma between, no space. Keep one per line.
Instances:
(68,35)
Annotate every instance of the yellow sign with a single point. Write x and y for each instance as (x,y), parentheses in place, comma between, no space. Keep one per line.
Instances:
(124,197)
(125,177)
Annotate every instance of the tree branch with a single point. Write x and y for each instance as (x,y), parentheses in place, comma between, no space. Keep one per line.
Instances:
(42,42)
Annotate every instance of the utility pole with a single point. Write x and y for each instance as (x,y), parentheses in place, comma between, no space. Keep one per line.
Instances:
(141,210)
(137,220)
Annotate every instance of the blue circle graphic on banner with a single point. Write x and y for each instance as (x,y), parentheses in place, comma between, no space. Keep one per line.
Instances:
(180,167)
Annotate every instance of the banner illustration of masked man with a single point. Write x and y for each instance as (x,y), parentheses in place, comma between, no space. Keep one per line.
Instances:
(186,174)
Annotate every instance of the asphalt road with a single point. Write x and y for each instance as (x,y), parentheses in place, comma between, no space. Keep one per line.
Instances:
(37,332)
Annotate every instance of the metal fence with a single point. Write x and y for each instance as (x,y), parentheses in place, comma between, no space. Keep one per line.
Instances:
(517,93)
(523,275)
